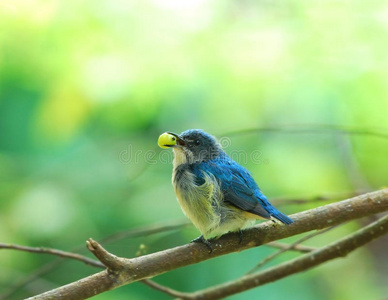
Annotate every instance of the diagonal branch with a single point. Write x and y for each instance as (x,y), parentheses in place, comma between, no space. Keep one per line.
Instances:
(150,283)
(86,260)
(291,246)
(154,264)
(298,248)
(337,249)
(164,289)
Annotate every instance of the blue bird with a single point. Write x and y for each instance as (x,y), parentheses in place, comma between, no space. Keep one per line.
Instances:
(216,193)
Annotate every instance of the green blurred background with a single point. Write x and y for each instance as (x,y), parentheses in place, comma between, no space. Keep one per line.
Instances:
(86,87)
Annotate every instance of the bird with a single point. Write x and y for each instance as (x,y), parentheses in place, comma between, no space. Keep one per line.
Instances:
(216,193)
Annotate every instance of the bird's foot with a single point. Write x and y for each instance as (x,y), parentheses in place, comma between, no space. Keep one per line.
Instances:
(240,236)
(202,240)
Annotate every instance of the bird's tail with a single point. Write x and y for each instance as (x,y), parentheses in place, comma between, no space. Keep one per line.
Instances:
(273,212)
(281,217)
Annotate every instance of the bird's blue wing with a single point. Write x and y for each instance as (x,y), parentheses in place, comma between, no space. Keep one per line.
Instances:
(237,185)
(239,188)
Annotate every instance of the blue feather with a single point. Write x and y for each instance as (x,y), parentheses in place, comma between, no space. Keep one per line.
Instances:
(238,186)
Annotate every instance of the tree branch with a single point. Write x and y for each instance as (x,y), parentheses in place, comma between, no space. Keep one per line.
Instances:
(298,248)
(164,289)
(104,256)
(144,231)
(154,264)
(337,249)
(313,128)
(328,197)
(95,263)
(42,250)
(291,246)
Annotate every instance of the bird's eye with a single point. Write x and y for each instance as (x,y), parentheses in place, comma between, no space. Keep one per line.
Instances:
(197,142)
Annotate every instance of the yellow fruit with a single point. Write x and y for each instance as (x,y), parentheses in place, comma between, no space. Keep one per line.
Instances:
(166,140)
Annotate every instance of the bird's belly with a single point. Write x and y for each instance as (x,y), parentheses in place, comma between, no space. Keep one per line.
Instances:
(197,206)
(232,219)
(205,207)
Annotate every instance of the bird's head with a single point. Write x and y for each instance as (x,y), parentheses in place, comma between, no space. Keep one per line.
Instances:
(191,146)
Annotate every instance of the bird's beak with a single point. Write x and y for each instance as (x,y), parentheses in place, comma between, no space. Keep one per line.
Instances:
(170,139)
(179,141)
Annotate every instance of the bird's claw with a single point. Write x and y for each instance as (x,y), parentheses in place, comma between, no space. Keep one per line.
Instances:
(202,240)
(240,236)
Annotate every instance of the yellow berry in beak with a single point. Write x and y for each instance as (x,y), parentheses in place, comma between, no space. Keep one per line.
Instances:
(166,140)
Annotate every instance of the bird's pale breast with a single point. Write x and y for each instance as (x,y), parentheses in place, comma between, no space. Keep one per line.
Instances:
(205,207)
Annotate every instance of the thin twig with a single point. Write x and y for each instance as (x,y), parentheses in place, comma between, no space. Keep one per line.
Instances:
(298,248)
(144,231)
(309,128)
(279,201)
(291,246)
(42,250)
(30,278)
(163,289)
